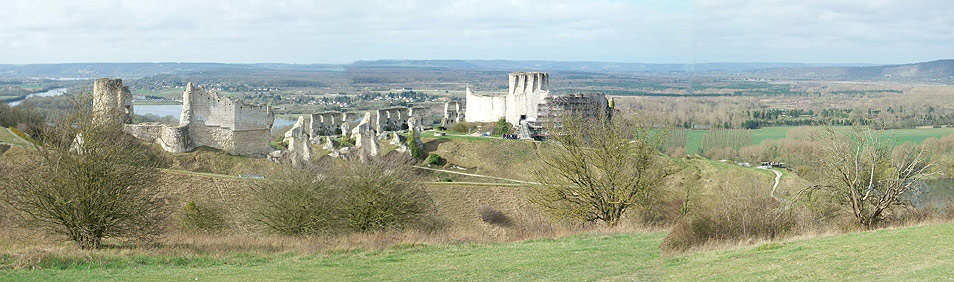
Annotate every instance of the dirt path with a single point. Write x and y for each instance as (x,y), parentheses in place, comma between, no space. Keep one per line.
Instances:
(517,182)
(778,176)
(23,142)
(475,175)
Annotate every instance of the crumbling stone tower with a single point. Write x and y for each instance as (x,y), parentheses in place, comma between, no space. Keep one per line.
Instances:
(527,90)
(112,100)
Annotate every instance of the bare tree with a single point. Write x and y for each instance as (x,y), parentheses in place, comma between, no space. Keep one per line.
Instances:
(597,168)
(88,181)
(868,174)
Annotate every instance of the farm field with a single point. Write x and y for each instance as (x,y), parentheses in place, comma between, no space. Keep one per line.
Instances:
(915,135)
(617,257)
(694,137)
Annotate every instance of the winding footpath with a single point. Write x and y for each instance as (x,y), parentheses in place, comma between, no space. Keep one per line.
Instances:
(24,142)
(778,176)
(475,175)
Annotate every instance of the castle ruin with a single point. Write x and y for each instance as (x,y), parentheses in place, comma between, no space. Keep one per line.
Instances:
(526,91)
(206,120)
(528,105)
(382,121)
(452,113)
(112,100)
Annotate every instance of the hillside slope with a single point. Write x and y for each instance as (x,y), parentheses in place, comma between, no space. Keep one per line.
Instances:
(939,71)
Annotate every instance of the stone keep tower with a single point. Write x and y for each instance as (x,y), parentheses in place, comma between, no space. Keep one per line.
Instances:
(527,90)
(112,100)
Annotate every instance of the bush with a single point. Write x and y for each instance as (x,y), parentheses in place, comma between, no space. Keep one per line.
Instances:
(89,181)
(22,135)
(296,202)
(416,152)
(462,127)
(502,127)
(377,196)
(492,216)
(434,159)
(351,196)
(204,217)
(735,219)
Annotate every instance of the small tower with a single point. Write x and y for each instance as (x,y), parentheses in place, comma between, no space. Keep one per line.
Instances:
(112,101)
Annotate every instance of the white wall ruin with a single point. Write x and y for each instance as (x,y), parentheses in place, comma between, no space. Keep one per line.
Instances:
(485,108)
(526,91)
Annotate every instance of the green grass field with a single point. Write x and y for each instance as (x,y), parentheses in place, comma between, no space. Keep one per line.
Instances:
(694,137)
(914,253)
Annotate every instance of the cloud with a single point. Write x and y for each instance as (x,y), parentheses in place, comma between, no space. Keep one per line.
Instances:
(655,31)
(880,31)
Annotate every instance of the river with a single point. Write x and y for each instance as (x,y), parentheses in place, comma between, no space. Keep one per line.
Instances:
(51,92)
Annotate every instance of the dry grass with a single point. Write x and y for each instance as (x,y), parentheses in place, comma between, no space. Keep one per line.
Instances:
(496,157)
(458,222)
(27,249)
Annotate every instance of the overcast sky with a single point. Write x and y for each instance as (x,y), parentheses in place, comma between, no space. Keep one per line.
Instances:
(649,31)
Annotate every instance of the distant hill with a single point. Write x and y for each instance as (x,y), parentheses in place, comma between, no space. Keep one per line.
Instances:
(586,66)
(941,71)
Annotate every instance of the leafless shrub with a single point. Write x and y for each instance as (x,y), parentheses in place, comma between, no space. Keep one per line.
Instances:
(89,181)
(204,217)
(732,220)
(349,196)
(492,216)
(296,202)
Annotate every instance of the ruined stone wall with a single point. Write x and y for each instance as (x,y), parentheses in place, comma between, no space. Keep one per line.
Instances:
(207,119)
(324,124)
(391,119)
(171,138)
(527,91)
(423,115)
(452,113)
(484,108)
(145,131)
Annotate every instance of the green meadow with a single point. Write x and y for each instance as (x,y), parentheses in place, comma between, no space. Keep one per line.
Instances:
(913,253)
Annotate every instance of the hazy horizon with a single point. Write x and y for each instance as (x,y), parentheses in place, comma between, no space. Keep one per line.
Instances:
(334,32)
(393,59)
